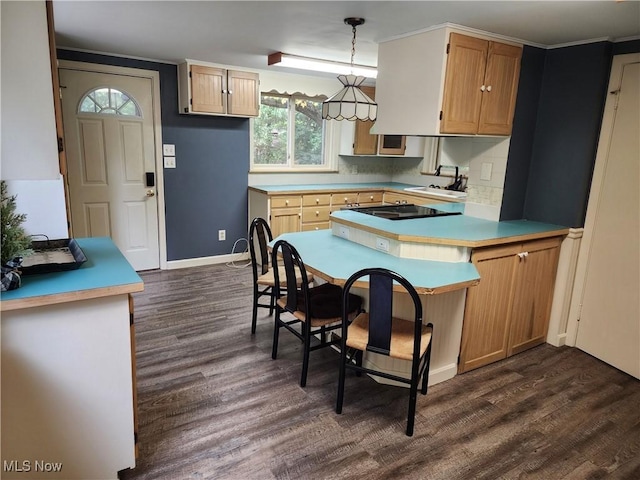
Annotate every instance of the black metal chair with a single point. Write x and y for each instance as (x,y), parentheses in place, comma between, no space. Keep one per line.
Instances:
(318,310)
(263,277)
(379,332)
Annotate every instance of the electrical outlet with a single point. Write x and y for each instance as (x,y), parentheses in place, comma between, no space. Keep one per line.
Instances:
(343,232)
(382,244)
(168,150)
(222,235)
(485,171)
(169,162)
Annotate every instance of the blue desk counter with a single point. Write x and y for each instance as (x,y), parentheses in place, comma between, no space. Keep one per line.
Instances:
(336,259)
(106,272)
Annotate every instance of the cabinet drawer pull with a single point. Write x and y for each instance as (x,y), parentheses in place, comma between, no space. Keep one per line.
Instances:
(317,200)
(317,213)
(523,255)
(286,202)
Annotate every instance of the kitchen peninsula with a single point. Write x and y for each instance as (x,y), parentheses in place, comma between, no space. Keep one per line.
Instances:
(68,391)
(507,312)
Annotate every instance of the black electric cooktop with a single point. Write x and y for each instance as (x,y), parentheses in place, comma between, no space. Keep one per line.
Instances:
(403,212)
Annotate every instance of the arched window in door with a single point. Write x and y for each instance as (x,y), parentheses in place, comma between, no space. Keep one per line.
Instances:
(109,101)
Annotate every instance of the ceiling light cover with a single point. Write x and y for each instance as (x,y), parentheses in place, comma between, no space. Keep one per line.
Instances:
(350,103)
(306,63)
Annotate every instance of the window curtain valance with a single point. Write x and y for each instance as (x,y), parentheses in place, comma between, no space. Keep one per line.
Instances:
(292,84)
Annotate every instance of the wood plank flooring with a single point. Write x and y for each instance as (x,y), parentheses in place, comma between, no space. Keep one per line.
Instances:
(214,405)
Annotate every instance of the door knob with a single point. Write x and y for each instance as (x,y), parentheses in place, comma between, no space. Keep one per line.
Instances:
(150,193)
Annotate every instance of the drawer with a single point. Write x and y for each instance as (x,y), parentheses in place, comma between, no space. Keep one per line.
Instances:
(315,214)
(307,227)
(284,201)
(341,199)
(370,197)
(318,199)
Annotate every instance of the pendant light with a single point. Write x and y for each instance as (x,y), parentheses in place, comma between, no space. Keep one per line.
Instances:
(350,103)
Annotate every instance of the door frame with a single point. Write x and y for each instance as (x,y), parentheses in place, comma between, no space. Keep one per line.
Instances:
(154,76)
(602,155)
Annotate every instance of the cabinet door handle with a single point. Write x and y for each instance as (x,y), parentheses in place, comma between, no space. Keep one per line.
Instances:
(482,88)
(488,88)
(522,255)
(230,92)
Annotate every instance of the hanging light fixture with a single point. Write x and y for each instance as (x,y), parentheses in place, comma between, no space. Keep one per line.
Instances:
(350,103)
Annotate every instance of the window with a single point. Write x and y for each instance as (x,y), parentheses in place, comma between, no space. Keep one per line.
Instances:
(290,134)
(109,101)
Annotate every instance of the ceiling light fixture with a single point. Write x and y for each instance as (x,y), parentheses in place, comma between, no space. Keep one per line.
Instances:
(350,103)
(306,63)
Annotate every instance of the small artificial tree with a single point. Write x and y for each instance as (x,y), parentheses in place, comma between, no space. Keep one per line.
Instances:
(15,241)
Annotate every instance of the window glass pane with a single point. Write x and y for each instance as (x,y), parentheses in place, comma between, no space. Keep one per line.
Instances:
(308,132)
(109,101)
(88,105)
(271,131)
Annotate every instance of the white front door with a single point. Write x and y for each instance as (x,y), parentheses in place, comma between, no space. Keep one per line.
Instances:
(609,326)
(110,141)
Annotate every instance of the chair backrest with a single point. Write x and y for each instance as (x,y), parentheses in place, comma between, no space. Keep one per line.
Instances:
(259,230)
(381,283)
(297,291)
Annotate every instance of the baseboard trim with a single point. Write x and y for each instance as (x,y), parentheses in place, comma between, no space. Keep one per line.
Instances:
(202,261)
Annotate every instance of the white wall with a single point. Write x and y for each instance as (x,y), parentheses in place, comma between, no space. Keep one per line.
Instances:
(29,160)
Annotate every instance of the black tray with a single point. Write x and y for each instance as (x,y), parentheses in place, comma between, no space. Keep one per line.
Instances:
(53,256)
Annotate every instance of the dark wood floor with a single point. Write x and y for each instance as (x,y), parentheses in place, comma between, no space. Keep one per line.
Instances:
(212,404)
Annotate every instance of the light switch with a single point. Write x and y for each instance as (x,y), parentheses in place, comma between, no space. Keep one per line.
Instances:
(168,150)
(169,162)
(485,172)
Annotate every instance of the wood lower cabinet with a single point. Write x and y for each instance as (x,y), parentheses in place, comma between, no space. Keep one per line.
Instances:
(316,210)
(303,212)
(285,214)
(508,312)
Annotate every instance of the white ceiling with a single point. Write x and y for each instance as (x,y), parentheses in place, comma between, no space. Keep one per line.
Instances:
(243,33)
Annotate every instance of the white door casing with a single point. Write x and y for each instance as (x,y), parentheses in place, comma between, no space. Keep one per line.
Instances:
(108,158)
(605,311)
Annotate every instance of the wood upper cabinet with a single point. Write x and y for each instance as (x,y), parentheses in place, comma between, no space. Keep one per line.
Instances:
(481,84)
(362,142)
(211,90)
(444,81)
(508,312)
(365,143)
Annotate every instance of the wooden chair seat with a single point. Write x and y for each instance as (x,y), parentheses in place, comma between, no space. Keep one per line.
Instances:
(402,336)
(269,278)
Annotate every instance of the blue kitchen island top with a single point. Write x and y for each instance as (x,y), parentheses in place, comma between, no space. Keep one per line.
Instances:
(458,230)
(336,259)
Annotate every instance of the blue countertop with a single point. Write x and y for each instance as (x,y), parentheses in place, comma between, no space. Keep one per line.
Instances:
(336,259)
(330,186)
(105,272)
(458,230)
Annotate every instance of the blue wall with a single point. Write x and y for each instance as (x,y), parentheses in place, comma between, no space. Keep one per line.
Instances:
(554,142)
(207,191)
